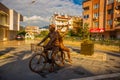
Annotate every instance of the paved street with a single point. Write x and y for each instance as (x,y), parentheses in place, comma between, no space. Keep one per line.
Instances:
(15,56)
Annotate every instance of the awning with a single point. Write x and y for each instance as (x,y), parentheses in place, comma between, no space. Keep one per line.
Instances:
(97,30)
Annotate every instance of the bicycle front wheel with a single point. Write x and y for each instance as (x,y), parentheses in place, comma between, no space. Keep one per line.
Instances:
(37,63)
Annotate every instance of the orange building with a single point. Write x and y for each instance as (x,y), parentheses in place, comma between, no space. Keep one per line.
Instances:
(103,17)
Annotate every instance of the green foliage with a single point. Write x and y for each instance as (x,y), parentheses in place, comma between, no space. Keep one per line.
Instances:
(22,33)
(85,31)
(82,32)
(43,33)
(72,33)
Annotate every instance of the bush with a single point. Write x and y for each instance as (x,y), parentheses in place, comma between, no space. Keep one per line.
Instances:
(42,33)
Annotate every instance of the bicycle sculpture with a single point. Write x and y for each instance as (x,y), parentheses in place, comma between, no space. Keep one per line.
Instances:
(50,55)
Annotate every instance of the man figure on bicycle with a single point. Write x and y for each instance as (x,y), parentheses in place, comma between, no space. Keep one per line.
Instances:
(55,43)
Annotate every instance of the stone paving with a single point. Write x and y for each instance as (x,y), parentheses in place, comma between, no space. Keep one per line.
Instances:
(15,56)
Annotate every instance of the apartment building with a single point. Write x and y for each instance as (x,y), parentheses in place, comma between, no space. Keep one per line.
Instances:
(32,29)
(64,20)
(61,21)
(14,24)
(102,17)
(9,23)
(4,22)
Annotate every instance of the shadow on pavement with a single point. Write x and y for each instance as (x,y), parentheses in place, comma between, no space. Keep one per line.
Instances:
(110,53)
(113,53)
(7,50)
(19,70)
(77,50)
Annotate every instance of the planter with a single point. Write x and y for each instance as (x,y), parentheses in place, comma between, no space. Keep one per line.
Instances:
(87,48)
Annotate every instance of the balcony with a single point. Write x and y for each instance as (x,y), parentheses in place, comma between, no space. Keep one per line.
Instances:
(117,17)
(95,19)
(117,26)
(117,5)
(86,8)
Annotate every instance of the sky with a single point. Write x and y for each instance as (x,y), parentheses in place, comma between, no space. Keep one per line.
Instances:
(39,12)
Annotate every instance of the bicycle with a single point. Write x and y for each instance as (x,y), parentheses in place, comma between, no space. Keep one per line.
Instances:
(40,62)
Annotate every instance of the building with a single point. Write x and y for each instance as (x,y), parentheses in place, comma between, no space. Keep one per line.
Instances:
(14,24)
(32,29)
(102,17)
(61,21)
(4,22)
(9,23)
(65,21)
(77,22)
(117,18)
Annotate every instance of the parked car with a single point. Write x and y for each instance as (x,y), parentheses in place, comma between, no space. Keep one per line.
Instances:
(19,37)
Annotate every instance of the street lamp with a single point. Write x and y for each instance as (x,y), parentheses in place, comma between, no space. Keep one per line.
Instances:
(32,2)
(30,35)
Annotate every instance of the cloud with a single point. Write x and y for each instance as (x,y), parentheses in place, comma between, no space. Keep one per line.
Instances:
(35,18)
(42,10)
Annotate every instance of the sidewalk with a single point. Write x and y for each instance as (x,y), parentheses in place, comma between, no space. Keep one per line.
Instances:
(115,76)
(101,63)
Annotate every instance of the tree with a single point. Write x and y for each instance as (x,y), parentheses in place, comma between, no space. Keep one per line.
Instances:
(22,33)
(85,31)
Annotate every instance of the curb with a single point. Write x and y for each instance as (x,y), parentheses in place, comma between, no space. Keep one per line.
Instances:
(100,77)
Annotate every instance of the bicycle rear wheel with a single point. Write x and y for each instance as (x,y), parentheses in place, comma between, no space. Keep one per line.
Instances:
(59,59)
(37,63)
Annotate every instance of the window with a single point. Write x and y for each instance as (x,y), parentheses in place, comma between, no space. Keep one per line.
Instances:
(110,11)
(96,6)
(86,8)
(96,24)
(86,16)
(109,22)
(110,1)
(3,19)
(96,15)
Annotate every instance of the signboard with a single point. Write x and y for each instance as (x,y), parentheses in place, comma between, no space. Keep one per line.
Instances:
(97,30)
